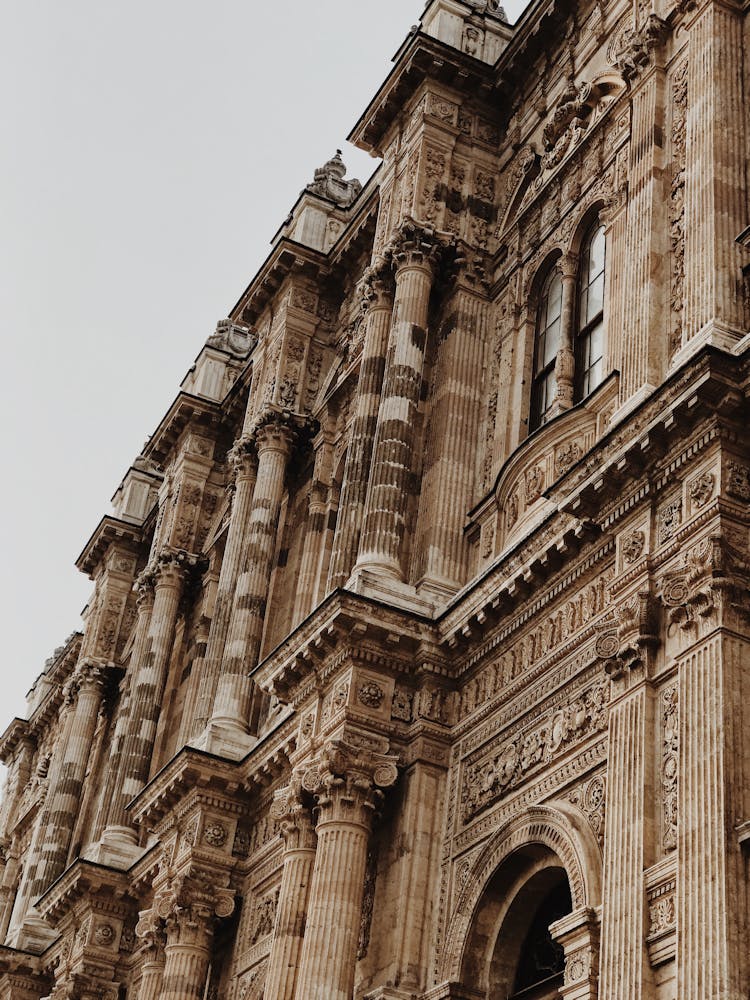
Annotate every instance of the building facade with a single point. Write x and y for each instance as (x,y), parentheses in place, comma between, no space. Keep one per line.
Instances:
(416,659)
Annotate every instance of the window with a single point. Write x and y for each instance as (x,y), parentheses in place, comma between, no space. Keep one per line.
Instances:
(546,346)
(589,340)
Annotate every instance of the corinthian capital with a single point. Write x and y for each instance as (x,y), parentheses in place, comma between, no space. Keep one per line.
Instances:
(293,816)
(636,45)
(190,905)
(92,673)
(416,246)
(173,566)
(377,286)
(349,782)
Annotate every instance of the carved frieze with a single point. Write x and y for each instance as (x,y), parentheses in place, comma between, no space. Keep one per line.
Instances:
(493,776)
(669,764)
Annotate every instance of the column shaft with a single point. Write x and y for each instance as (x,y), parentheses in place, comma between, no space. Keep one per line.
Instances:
(359,453)
(185,971)
(449,474)
(149,679)
(65,794)
(237,536)
(623,961)
(151,979)
(712,958)
(391,485)
(291,914)
(715,183)
(647,250)
(245,629)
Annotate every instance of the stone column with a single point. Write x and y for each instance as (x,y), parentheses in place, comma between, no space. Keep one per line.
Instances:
(378,294)
(66,785)
(231,710)
(449,473)
(578,933)
(347,785)
(189,916)
(245,465)
(625,970)
(111,813)
(315,531)
(150,931)
(299,839)
(646,316)
(391,486)
(713,794)
(565,362)
(147,686)
(715,175)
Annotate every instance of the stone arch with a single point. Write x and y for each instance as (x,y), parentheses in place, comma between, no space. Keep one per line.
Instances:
(557,827)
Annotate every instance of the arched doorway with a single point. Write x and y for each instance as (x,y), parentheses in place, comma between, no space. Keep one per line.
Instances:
(541,869)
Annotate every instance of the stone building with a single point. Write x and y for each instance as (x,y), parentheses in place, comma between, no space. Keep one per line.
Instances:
(416,660)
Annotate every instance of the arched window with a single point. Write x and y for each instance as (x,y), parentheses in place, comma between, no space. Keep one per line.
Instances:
(546,346)
(589,338)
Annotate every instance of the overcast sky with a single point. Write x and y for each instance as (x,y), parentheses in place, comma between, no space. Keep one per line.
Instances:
(150,151)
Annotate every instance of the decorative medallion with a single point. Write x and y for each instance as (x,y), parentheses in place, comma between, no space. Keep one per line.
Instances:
(702,488)
(215,835)
(632,546)
(371,695)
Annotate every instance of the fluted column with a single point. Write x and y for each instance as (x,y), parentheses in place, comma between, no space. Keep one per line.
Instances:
(274,440)
(449,473)
(391,486)
(65,794)
(149,679)
(299,839)
(245,466)
(713,794)
(646,317)
(716,208)
(379,297)
(625,970)
(347,785)
(151,956)
(189,917)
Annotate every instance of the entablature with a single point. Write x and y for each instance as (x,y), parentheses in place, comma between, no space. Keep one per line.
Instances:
(109,531)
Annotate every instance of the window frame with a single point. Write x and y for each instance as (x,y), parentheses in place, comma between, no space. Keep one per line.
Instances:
(583,332)
(543,374)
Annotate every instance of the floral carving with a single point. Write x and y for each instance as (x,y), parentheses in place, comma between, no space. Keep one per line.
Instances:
(632,546)
(738,484)
(104,935)
(669,519)
(669,767)
(401,706)
(368,902)
(264,916)
(371,695)
(215,835)
(590,798)
(567,456)
(702,489)
(492,777)
(661,914)
(677,201)
(534,483)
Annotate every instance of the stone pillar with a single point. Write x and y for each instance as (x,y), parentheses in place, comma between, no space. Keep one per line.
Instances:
(578,933)
(449,473)
(625,970)
(147,685)
(713,793)
(231,711)
(66,785)
(347,786)
(114,773)
(646,316)
(715,175)
(151,955)
(299,839)
(189,917)
(315,532)
(565,362)
(244,461)
(379,299)
(391,486)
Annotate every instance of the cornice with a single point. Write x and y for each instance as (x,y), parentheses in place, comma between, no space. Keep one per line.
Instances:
(17,962)
(84,880)
(287,256)
(421,57)
(15,732)
(110,530)
(186,409)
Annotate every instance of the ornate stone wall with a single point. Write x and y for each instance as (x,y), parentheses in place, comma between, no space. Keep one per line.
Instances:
(370,671)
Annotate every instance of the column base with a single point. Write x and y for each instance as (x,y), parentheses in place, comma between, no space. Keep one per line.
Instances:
(389,590)
(439,592)
(388,993)
(632,403)
(34,935)
(118,848)
(224,738)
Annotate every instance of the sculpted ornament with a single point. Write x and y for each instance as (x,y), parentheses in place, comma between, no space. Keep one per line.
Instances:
(702,489)
(215,835)
(371,695)
(534,483)
(632,546)
(669,769)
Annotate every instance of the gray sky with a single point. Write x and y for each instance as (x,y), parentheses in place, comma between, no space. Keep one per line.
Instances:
(150,151)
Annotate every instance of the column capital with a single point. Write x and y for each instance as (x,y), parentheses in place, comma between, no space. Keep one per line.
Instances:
(377,286)
(275,431)
(172,567)
(415,246)
(150,932)
(294,817)
(188,907)
(243,457)
(568,265)
(92,673)
(636,47)
(348,783)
